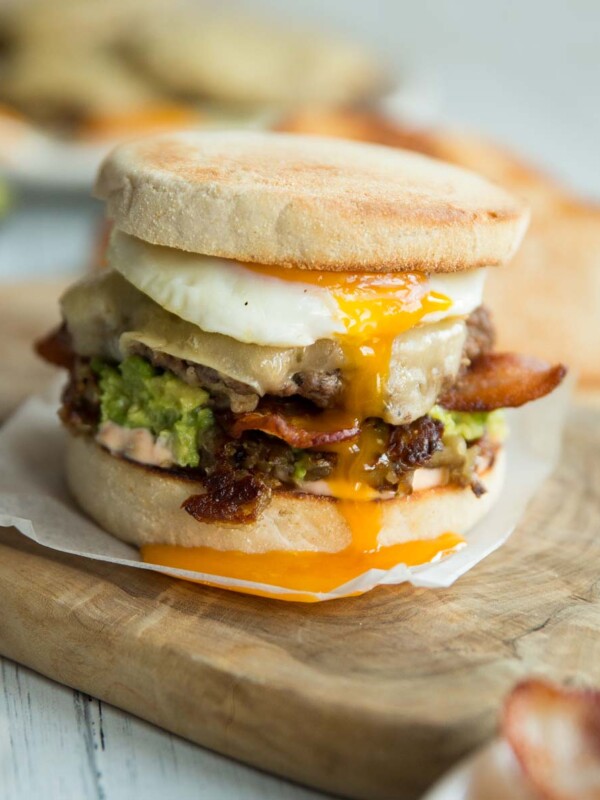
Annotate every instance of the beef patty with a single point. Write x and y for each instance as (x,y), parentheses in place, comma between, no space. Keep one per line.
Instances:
(323,388)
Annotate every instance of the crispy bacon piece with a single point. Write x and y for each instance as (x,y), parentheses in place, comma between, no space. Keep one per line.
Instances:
(56,347)
(292,430)
(502,380)
(413,445)
(229,499)
(555,735)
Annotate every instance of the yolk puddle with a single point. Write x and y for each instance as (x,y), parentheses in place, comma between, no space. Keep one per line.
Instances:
(125,123)
(297,571)
(375,308)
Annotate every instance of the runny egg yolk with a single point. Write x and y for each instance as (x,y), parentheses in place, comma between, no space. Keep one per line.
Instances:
(375,308)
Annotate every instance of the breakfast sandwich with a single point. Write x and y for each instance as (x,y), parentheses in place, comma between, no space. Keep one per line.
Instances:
(286,374)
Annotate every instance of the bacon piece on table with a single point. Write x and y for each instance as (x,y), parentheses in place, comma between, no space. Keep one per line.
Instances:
(555,734)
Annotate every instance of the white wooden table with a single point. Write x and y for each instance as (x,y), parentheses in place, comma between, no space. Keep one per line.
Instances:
(58,744)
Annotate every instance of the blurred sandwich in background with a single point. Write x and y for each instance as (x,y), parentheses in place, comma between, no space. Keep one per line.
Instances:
(234,62)
(549,295)
(89,69)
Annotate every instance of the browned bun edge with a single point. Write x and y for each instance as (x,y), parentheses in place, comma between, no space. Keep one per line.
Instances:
(141,505)
(310,202)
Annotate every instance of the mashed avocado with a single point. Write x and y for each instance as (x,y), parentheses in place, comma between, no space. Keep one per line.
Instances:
(135,395)
(471,425)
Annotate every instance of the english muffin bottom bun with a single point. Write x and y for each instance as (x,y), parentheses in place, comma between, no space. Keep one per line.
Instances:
(286,375)
(144,506)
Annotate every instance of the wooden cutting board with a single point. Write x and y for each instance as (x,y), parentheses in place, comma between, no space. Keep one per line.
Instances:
(371,697)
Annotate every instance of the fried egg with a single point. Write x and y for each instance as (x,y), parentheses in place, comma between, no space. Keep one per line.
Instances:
(289,307)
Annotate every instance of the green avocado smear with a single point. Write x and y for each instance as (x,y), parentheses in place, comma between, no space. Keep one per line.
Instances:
(471,425)
(135,395)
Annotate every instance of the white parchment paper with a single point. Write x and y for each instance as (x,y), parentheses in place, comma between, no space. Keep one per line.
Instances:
(35,500)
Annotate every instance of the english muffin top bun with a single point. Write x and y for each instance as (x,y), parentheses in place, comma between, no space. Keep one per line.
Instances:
(309,202)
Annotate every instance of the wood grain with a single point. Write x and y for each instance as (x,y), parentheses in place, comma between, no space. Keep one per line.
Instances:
(60,744)
(370,697)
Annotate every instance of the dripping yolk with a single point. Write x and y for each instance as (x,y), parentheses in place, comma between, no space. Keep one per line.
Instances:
(157,117)
(357,501)
(375,308)
(374,317)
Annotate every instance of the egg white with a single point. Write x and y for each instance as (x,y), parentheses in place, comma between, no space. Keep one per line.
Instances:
(222,296)
(465,289)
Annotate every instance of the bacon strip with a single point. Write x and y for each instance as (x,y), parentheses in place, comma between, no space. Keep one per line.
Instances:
(277,424)
(502,380)
(555,735)
(56,347)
